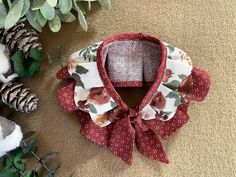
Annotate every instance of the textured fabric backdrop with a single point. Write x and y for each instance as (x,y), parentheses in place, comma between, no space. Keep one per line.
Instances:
(205,146)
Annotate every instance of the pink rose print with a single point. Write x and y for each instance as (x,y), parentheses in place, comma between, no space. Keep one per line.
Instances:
(158,101)
(185,89)
(98,95)
(167,75)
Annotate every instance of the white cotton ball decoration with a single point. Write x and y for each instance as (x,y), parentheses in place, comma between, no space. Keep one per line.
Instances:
(10,136)
(5,66)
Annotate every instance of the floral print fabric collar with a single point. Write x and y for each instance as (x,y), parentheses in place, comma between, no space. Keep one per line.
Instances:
(91,96)
(162,110)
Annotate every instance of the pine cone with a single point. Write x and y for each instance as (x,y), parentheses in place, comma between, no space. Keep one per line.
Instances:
(20,38)
(16,96)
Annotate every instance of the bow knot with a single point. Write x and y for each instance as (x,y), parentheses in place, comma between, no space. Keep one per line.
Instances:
(133,112)
(135,118)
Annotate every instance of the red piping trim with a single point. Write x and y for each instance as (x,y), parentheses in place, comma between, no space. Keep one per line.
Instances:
(105,79)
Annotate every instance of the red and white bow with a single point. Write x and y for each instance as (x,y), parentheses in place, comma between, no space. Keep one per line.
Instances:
(121,135)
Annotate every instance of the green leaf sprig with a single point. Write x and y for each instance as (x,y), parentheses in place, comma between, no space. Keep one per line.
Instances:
(26,67)
(39,12)
(14,163)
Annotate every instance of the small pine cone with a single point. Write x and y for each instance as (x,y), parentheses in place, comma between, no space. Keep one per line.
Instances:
(19,98)
(21,38)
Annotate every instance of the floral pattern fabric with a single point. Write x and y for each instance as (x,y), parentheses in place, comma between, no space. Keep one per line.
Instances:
(89,93)
(118,128)
(168,97)
(91,96)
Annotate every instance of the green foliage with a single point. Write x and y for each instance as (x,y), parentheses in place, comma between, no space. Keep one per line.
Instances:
(182,76)
(173,85)
(176,96)
(14,163)
(92,108)
(113,104)
(81,69)
(27,67)
(78,80)
(39,12)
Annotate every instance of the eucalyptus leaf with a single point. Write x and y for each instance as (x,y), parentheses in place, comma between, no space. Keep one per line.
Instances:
(65,6)
(33,22)
(28,134)
(106,4)
(38,4)
(35,14)
(25,7)
(3,14)
(14,14)
(52,3)
(81,7)
(81,17)
(48,11)
(54,168)
(30,146)
(69,17)
(41,20)
(82,20)
(55,24)
(49,156)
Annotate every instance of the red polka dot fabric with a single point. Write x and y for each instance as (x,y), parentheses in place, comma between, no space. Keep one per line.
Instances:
(63,73)
(149,145)
(66,97)
(168,128)
(201,84)
(121,135)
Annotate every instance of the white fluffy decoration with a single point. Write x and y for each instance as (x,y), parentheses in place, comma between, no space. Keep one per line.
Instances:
(5,66)
(11,141)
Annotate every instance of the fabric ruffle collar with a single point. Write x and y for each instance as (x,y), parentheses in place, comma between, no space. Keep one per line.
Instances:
(131,60)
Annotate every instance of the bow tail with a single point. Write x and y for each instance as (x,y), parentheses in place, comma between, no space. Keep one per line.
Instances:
(149,145)
(121,140)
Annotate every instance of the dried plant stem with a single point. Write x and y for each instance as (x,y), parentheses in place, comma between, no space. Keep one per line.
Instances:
(59,55)
(39,160)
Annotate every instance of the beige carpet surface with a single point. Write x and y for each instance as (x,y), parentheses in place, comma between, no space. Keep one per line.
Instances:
(205,147)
